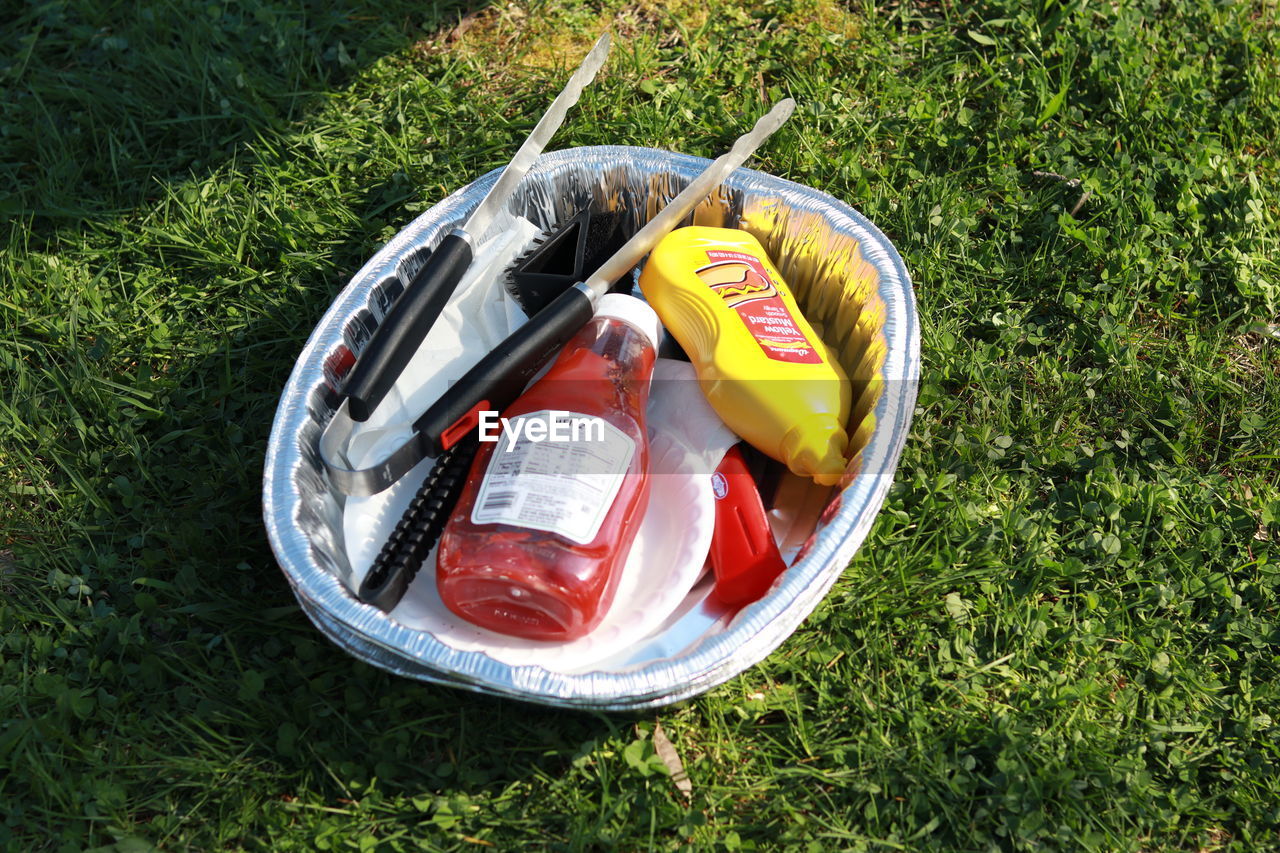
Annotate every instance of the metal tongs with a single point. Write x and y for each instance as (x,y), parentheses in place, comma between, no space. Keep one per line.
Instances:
(498,378)
(406,325)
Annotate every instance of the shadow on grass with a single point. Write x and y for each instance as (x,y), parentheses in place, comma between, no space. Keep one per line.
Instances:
(103,101)
(172,679)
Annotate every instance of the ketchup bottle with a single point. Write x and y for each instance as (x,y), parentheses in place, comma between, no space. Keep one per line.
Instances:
(542,530)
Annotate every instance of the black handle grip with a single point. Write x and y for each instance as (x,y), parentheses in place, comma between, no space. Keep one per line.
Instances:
(401,332)
(499,377)
(418,529)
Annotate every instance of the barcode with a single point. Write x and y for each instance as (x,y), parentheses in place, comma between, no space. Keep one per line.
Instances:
(498,501)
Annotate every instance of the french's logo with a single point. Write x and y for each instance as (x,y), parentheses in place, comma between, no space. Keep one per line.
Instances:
(737,283)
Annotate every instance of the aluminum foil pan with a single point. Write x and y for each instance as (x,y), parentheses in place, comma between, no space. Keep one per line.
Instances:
(849,281)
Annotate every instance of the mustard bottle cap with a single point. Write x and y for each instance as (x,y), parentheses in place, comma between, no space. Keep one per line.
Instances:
(815,448)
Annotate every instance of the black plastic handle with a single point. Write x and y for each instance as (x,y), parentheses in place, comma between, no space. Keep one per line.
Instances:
(498,378)
(418,529)
(402,331)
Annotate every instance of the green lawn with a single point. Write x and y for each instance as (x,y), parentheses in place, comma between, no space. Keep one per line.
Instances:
(1063,631)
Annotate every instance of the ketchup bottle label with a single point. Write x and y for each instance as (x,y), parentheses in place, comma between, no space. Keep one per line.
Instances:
(554,471)
(743,283)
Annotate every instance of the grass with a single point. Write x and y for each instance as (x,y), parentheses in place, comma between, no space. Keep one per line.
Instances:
(1063,630)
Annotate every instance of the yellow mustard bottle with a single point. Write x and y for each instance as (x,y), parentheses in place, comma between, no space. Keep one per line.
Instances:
(760,364)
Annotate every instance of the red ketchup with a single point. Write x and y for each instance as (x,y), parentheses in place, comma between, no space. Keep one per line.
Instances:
(550,509)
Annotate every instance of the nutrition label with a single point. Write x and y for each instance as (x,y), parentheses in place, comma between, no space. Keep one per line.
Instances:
(559,486)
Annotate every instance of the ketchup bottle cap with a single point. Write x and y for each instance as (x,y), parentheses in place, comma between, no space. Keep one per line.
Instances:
(632,311)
